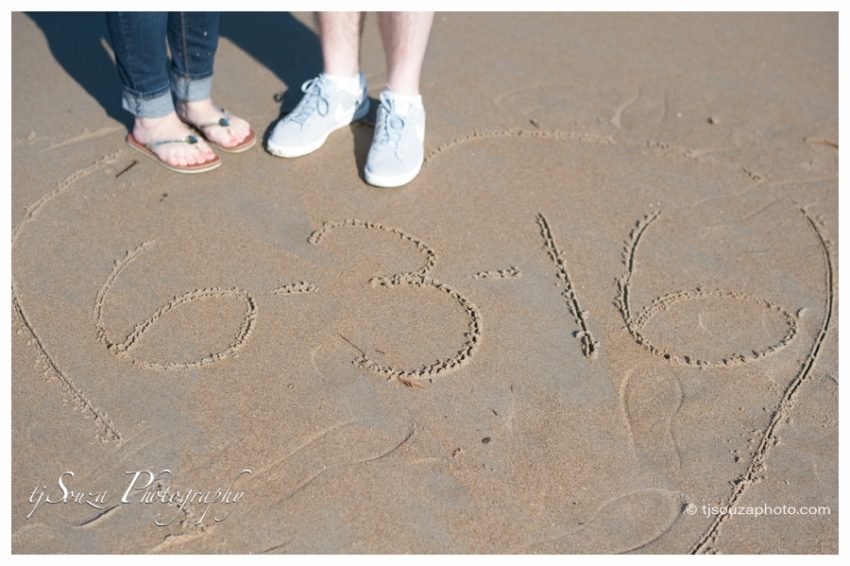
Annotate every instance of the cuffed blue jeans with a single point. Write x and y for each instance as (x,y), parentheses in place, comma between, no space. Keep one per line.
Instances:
(150,81)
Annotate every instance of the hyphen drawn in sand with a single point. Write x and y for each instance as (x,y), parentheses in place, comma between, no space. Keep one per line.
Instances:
(509,273)
(295,288)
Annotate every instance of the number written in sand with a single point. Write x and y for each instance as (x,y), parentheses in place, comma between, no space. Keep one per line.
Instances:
(635,323)
(124,348)
(421,279)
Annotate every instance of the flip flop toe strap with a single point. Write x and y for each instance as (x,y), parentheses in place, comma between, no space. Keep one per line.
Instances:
(223,122)
(190,139)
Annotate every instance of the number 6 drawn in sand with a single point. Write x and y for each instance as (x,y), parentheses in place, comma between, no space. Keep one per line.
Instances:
(419,278)
(636,323)
(123,348)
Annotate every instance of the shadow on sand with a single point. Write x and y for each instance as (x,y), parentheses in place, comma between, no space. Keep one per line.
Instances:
(79,42)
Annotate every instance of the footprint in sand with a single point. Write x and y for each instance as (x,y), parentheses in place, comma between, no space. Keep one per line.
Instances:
(651,398)
(623,524)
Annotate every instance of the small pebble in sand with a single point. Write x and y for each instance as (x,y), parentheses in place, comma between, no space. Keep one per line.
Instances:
(485,440)
(712,120)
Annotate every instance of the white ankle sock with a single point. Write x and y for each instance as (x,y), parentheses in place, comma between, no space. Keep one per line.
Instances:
(347,84)
(404,102)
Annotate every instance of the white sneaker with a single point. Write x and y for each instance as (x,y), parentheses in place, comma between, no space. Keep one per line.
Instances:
(398,147)
(323,109)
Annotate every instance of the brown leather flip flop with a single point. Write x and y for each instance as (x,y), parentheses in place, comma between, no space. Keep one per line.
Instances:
(224,122)
(147,149)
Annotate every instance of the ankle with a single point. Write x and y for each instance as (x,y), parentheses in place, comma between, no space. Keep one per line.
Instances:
(150,123)
(185,107)
(403,87)
(404,102)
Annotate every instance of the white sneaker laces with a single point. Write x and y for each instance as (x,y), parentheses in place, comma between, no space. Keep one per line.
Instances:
(389,125)
(315,99)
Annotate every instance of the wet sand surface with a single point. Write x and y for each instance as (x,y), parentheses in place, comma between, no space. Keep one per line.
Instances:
(608,300)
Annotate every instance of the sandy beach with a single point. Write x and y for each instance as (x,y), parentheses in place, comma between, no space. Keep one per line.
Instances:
(605,310)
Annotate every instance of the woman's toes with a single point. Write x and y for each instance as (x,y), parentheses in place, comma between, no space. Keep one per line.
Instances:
(203,153)
(169,157)
(236,135)
(220,137)
(227,138)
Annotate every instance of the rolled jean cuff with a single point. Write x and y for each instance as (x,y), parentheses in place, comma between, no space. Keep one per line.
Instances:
(156,106)
(191,90)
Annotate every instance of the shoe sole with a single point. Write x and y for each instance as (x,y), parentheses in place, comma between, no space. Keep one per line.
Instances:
(385,181)
(301,150)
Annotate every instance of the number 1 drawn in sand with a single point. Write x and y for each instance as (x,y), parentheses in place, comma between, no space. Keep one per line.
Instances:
(589,345)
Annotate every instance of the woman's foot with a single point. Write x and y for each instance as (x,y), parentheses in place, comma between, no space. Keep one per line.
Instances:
(207,117)
(148,131)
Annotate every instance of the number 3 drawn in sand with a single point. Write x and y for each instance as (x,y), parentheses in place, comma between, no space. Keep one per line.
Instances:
(419,278)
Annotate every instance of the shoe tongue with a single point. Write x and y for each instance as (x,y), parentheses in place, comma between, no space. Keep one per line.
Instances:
(401,107)
(350,85)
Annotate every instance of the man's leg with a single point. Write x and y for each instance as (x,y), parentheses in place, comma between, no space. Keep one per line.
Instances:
(333,99)
(398,147)
(405,37)
(340,34)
